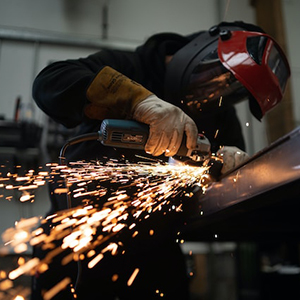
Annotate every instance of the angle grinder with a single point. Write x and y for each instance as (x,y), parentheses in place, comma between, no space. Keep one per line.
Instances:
(134,135)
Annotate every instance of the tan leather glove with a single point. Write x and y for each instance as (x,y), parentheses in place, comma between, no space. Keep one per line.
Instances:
(113,95)
(232,157)
(167,123)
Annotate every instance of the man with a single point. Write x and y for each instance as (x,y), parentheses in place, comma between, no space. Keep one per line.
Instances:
(178,86)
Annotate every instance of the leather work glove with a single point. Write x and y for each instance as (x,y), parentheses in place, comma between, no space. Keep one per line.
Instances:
(167,124)
(232,157)
(113,95)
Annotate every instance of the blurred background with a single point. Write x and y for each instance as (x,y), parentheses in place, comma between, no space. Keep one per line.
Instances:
(34,33)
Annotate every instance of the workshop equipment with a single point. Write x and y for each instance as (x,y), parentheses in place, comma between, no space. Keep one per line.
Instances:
(20,135)
(133,135)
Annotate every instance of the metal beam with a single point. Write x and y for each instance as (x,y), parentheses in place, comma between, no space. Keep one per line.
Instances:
(258,199)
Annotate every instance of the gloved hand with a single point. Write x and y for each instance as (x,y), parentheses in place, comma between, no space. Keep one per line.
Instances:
(167,123)
(232,157)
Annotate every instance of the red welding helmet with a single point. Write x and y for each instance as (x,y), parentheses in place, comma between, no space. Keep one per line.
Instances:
(226,65)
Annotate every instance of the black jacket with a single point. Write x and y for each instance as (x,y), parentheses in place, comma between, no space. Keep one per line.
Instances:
(60,91)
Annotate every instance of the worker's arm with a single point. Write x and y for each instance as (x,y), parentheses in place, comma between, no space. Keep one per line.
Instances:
(113,95)
(60,90)
(75,90)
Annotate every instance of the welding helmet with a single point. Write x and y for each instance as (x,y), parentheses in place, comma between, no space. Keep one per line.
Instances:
(225,65)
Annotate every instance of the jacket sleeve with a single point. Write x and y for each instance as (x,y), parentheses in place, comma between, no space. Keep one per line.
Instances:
(72,91)
(60,89)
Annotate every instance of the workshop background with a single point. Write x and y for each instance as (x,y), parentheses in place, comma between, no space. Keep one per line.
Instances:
(34,33)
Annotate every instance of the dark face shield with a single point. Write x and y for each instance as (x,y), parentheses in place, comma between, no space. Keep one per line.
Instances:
(278,67)
(219,70)
(211,86)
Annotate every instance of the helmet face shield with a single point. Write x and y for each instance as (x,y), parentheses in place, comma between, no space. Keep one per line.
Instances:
(279,67)
(258,62)
(216,70)
(211,83)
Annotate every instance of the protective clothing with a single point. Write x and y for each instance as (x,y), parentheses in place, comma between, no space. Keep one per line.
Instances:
(113,95)
(63,90)
(225,65)
(232,157)
(168,124)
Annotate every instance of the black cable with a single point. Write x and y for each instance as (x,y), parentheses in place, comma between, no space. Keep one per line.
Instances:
(78,139)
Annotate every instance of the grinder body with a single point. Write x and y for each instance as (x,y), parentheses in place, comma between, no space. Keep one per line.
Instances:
(134,135)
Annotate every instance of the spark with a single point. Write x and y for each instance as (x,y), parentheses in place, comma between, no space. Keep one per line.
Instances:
(115,197)
(220,101)
(2,274)
(25,268)
(133,276)
(6,284)
(160,293)
(26,197)
(95,260)
(57,288)
(216,134)
(115,277)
